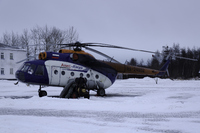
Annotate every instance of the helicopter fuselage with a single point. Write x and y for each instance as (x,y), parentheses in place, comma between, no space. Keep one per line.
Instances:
(57,69)
(70,69)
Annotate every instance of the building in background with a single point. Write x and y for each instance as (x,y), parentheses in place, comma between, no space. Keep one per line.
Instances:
(8,57)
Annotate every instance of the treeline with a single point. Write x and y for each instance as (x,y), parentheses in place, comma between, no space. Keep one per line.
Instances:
(39,39)
(178,68)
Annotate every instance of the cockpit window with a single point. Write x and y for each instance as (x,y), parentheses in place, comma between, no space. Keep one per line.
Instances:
(31,69)
(25,67)
(40,70)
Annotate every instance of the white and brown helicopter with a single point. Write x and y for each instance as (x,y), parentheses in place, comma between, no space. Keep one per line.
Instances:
(77,71)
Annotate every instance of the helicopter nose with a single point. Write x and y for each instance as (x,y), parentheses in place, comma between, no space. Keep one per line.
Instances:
(20,76)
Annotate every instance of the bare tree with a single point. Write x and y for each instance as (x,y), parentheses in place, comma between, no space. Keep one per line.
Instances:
(45,38)
(72,35)
(15,39)
(25,40)
(40,39)
(36,39)
(57,37)
(12,39)
(6,38)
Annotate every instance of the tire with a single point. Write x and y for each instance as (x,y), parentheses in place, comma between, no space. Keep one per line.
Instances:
(42,93)
(101,92)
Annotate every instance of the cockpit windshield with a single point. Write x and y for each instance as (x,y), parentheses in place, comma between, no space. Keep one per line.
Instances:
(25,67)
(31,68)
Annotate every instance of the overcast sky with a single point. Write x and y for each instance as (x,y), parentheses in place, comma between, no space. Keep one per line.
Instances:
(140,24)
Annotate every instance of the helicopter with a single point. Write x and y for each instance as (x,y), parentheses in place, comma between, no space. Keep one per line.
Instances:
(77,71)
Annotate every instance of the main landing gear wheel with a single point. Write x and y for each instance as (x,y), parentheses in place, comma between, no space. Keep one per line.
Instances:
(41,93)
(101,92)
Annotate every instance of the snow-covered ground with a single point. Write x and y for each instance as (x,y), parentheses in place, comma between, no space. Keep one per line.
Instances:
(133,105)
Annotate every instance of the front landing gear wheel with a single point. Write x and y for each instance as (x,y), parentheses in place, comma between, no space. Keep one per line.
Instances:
(101,92)
(41,93)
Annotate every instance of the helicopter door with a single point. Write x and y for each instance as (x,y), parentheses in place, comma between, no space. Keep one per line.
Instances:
(55,75)
(64,77)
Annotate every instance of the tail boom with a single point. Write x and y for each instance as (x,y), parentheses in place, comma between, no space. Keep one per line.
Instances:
(122,68)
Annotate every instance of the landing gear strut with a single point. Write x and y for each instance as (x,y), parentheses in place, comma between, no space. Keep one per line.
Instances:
(41,93)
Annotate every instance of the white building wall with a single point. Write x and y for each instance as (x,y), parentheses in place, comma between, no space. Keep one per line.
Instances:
(9,64)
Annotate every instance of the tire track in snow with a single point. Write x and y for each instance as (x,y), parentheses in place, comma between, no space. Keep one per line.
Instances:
(105,115)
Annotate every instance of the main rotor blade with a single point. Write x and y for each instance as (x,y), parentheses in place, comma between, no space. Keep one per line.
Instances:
(41,44)
(119,47)
(114,46)
(185,58)
(30,57)
(78,44)
(100,53)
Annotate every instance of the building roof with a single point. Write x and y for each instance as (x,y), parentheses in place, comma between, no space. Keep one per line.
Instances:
(12,48)
(7,46)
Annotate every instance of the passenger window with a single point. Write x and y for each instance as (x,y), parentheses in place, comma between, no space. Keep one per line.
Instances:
(88,75)
(40,70)
(55,72)
(63,72)
(97,76)
(31,69)
(72,73)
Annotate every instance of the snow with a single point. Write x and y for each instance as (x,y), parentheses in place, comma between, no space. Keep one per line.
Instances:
(132,105)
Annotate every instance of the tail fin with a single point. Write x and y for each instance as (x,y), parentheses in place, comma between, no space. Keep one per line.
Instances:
(164,68)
